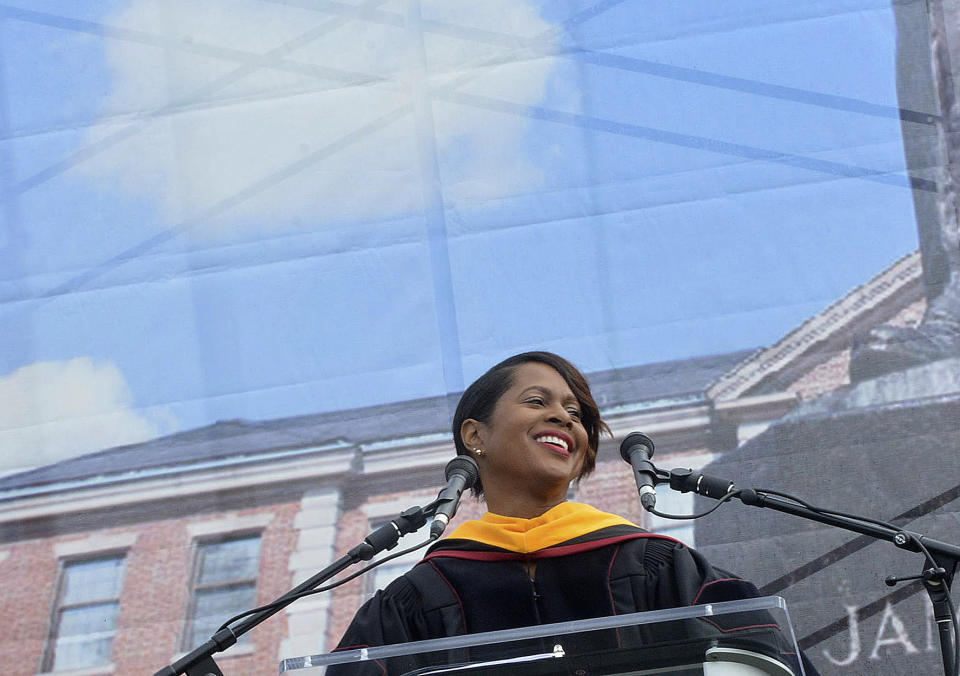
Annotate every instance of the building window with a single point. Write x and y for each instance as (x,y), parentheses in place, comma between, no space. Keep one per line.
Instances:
(85,616)
(224,584)
(382,575)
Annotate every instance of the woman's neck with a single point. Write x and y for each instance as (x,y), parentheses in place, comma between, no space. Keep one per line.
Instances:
(522,506)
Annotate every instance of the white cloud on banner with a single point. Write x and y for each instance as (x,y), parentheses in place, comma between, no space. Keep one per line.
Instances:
(50,411)
(273,135)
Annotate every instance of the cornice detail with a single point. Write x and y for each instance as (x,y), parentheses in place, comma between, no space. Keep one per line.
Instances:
(327,465)
(815,331)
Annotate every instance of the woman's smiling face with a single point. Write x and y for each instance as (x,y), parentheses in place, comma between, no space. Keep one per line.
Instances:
(534,441)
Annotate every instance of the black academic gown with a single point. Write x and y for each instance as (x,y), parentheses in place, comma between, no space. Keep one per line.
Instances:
(464,586)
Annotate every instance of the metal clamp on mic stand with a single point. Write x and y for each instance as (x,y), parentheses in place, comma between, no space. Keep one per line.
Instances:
(941,557)
(461,473)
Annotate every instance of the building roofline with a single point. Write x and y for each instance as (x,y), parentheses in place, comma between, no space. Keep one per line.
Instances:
(169,471)
(837,323)
(415,423)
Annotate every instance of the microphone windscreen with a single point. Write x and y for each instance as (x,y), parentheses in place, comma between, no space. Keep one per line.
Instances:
(633,439)
(465,465)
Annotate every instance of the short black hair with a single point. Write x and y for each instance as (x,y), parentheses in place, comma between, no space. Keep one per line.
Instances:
(479,400)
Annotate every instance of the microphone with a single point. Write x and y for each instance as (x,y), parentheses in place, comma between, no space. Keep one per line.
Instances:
(686,480)
(461,473)
(637,449)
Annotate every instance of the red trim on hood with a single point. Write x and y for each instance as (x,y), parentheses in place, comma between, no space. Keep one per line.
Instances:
(549,553)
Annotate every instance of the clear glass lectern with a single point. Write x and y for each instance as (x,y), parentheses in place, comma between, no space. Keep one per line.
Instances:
(751,637)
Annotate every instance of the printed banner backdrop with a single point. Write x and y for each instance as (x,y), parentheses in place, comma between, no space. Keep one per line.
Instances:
(252,250)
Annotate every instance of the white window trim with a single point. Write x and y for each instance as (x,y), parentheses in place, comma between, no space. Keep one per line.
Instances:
(379,511)
(236,650)
(83,638)
(229,524)
(88,671)
(92,544)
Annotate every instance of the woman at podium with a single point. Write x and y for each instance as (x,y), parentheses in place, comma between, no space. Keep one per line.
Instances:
(533,427)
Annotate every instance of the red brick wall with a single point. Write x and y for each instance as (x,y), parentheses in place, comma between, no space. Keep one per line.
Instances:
(27,580)
(834,369)
(830,374)
(154,598)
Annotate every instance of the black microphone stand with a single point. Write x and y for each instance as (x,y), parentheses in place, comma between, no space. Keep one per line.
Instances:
(943,557)
(199,662)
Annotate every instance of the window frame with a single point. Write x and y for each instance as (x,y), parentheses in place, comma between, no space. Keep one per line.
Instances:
(194,586)
(382,512)
(401,564)
(59,606)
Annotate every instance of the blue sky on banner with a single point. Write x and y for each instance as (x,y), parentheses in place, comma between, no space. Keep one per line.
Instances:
(255,209)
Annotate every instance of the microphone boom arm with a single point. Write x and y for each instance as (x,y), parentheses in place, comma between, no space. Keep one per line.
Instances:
(943,557)
(461,473)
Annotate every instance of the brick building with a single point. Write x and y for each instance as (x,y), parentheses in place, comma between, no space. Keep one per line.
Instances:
(119,561)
